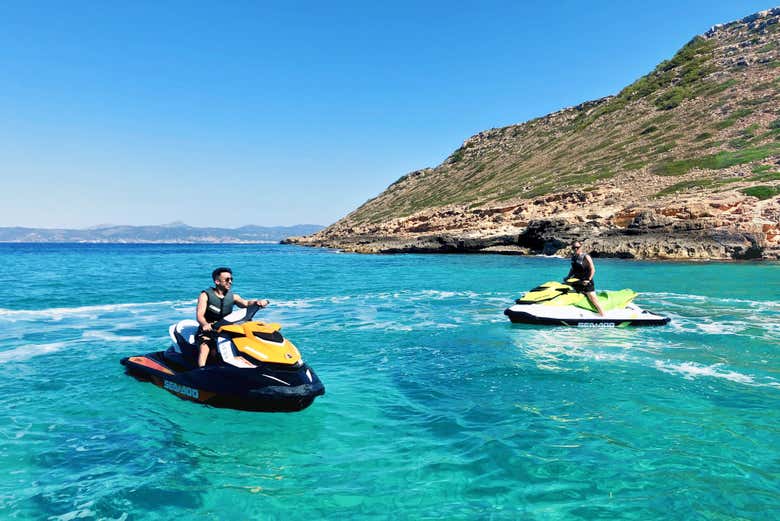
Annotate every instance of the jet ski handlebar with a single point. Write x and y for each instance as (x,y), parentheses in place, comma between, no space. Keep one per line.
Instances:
(250,313)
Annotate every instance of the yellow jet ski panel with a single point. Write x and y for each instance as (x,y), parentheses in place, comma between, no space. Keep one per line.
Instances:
(262,342)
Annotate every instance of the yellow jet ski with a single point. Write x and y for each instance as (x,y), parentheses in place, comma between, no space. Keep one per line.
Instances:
(256,368)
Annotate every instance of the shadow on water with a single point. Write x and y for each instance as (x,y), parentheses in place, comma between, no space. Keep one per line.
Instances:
(114,467)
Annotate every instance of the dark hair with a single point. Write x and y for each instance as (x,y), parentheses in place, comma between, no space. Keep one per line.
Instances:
(216,272)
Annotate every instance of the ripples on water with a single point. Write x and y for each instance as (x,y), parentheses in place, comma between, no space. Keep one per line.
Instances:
(436,406)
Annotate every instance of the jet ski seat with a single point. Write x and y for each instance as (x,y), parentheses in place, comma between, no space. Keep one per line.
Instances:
(185,351)
(183,335)
(187,329)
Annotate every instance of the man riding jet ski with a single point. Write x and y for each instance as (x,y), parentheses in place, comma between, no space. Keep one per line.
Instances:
(257,369)
(554,303)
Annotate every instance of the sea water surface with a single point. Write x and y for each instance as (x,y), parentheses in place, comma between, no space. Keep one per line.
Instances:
(436,406)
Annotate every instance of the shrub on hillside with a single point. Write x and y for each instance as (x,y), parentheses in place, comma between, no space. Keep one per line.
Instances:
(762,192)
(672,98)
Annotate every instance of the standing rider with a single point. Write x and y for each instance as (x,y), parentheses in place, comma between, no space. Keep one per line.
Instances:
(582,268)
(213,305)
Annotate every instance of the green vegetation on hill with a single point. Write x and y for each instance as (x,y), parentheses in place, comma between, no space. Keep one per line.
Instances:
(717,161)
(762,192)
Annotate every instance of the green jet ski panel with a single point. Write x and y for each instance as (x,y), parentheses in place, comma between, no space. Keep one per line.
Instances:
(545,292)
(609,300)
(558,294)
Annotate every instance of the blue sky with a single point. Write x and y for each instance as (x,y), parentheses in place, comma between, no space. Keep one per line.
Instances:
(280,113)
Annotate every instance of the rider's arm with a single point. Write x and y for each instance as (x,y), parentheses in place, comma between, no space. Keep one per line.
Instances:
(246,303)
(592,267)
(200,313)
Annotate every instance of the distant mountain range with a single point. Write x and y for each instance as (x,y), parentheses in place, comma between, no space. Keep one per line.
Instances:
(167,233)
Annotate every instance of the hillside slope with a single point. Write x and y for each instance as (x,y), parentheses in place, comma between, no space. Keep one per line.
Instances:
(683,163)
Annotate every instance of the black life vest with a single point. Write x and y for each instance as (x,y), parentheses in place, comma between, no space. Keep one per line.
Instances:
(217,308)
(578,266)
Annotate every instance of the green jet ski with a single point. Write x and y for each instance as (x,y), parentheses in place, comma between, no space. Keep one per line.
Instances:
(559,304)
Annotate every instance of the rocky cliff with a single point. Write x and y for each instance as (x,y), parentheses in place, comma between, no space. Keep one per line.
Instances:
(682,164)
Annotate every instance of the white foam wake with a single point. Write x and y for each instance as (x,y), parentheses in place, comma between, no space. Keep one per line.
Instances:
(565,350)
(89,311)
(22,353)
(692,371)
(725,302)
(88,338)
(112,337)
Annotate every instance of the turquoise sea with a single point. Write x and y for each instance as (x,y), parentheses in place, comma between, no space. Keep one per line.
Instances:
(436,406)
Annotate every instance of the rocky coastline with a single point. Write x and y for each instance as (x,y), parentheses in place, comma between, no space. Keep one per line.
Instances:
(727,226)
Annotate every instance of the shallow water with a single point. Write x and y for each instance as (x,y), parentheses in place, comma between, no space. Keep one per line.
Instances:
(436,407)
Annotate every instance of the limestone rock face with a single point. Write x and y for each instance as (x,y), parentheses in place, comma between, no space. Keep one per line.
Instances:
(682,164)
(732,226)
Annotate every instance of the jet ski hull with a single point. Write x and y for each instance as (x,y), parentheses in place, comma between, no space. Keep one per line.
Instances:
(538,314)
(266,388)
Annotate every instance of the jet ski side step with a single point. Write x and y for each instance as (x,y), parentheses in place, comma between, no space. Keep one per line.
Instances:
(145,362)
(523,317)
(198,386)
